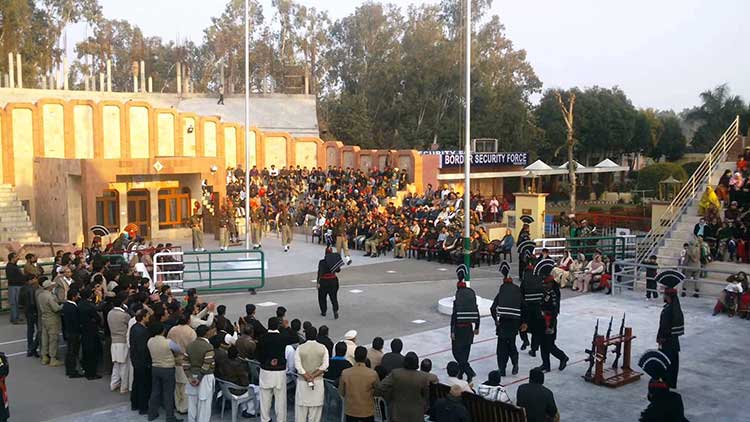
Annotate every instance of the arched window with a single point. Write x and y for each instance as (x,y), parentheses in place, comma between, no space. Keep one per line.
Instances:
(108,210)
(174,207)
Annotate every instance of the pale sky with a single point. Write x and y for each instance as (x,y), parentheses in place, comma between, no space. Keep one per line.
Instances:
(661,53)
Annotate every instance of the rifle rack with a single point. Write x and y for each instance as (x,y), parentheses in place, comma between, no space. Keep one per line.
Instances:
(614,377)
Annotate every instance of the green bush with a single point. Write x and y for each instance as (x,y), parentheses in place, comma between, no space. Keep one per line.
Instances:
(650,176)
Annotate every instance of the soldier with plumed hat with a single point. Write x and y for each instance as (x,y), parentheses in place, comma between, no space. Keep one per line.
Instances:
(664,405)
(464,324)
(671,324)
(506,312)
(550,309)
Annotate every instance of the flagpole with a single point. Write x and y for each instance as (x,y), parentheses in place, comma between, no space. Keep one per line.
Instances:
(247,126)
(467,147)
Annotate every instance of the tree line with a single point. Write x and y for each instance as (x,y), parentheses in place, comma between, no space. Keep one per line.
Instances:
(384,77)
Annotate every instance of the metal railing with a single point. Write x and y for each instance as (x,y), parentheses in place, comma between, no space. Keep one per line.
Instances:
(621,247)
(211,271)
(629,275)
(694,186)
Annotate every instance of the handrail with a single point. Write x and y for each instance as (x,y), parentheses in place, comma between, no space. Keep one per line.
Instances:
(690,189)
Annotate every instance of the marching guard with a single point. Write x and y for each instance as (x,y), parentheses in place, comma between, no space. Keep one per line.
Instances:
(664,405)
(506,311)
(550,309)
(671,324)
(464,324)
(257,221)
(532,291)
(328,282)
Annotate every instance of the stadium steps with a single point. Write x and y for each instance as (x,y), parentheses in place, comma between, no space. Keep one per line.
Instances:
(15,224)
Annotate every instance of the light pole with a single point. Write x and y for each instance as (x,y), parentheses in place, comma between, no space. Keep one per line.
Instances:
(467,147)
(247,126)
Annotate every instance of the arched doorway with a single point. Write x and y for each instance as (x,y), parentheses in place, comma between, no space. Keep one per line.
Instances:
(139,211)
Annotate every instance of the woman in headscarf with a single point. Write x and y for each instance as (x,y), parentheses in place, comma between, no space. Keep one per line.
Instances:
(736,182)
(708,200)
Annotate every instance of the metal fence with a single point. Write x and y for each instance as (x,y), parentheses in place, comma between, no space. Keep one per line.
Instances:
(211,271)
(631,275)
(621,247)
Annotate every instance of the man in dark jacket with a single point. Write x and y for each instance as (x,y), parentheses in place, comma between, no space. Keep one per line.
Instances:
(272,357)
(16,280)
(28,298)
(537,399)
(337,364)
(464,324)
(450,409)
(72,330)
(90,343)
(324,339)
(393,359)
(141,360)
(258,329)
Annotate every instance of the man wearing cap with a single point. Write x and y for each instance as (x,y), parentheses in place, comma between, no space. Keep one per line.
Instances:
(550,307)
(328,283)
(256,224)
(506,312)
(49,310)
(350,339)
(285,224)
(342,240)
(664,405)
(196,228)
(464,324)
(671,324)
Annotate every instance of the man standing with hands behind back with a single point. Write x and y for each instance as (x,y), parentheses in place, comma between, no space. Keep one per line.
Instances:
(311,362)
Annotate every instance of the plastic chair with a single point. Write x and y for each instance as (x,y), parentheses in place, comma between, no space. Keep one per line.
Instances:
(381,409)
(235,399)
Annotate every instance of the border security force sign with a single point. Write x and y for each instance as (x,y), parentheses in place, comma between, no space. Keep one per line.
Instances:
(489,159)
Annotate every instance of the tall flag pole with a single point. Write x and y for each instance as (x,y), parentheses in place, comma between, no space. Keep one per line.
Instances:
(247,125)
(467,146)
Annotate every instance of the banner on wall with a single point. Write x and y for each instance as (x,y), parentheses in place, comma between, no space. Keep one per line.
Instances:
(481,159)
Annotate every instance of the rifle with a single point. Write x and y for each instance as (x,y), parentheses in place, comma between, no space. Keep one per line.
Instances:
(609,329)
(618,347)
(591,359)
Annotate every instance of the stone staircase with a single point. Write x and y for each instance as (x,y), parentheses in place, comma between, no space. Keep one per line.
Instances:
(15,225)
(669,251)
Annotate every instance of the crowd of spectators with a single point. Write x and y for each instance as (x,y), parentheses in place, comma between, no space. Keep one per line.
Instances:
(180,354)
(361,206)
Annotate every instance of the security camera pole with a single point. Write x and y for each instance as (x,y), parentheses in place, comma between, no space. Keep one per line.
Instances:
(467,149)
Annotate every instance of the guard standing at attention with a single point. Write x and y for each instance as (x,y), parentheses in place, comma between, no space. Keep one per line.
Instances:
(464,324)
(224,228)
(196,227)
(256,224)
(550,308)
(328,282)
(286,224)
(671,324)
(506,311)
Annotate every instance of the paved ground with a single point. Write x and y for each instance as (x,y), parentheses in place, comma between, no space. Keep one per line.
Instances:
(393,298)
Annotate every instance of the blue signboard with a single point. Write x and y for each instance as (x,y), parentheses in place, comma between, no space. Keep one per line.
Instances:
(481,159)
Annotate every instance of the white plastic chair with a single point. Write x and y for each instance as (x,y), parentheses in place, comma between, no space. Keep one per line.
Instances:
(235,399)
(381,409)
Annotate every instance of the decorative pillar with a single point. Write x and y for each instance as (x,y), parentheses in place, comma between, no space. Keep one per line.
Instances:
(150,84)
(86,82)
(11,71)
(186,79)
(143,76)
(179,78)
(109,75)
(135,76)
(6,81)
(20,72)
(101,81)
(535,206)
(59,78)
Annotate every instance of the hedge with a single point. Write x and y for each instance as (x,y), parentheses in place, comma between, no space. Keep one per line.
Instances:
(650,176)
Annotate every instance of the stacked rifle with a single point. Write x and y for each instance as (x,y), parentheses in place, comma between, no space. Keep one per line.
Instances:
(615,376)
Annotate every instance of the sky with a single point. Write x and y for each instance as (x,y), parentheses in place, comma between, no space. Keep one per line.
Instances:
(661,53)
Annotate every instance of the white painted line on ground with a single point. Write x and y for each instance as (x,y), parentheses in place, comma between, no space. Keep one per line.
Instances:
(267,304)
(313,281)
(355,291)
(442,269)
(13,342)
(391,272)
(419,321)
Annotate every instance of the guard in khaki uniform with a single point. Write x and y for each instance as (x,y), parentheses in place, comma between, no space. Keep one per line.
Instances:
(342,240)
(402,244)
(196,227)
(224,228)
(256,224)
(372,243)
(49,311)
(286,223)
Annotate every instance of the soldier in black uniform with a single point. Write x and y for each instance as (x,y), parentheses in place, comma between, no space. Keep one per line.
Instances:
(328,282)
(550,308)
(464,324)
(531,313)
(664,405)
(506,311)
(671,324)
